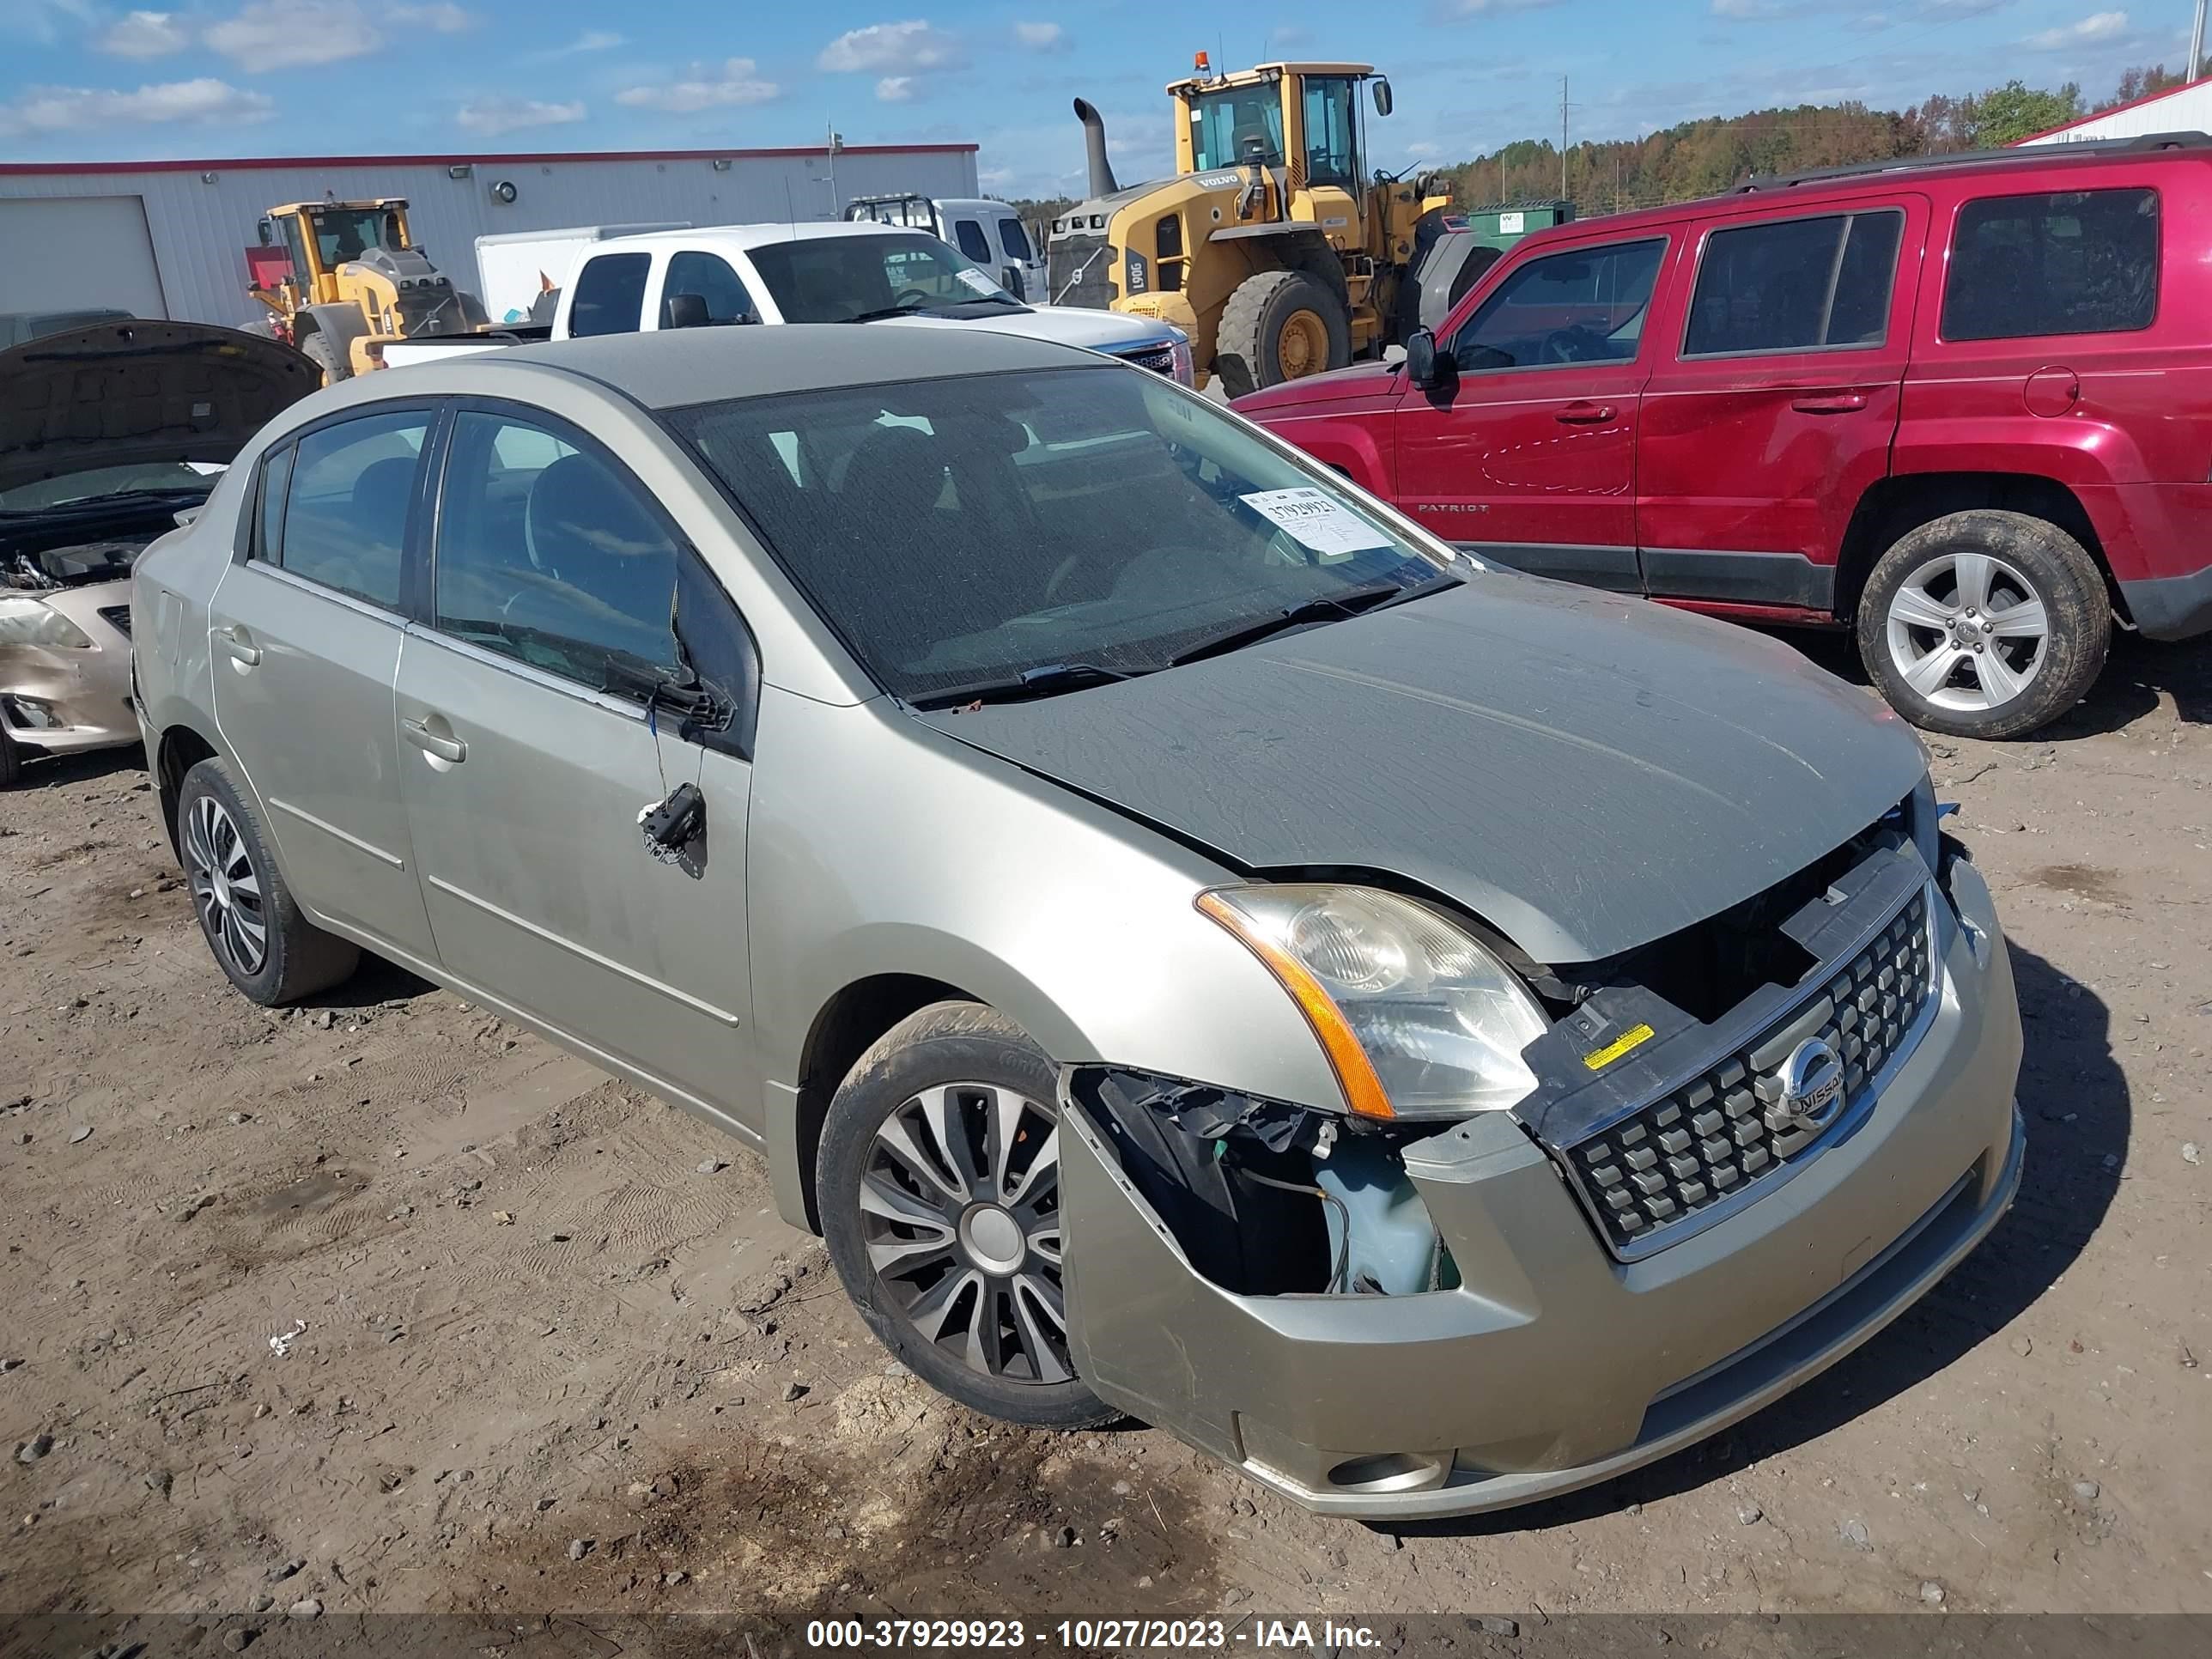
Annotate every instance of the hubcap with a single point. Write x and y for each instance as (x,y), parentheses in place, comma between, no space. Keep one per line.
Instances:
(960,1207)
(226,888)
(1302,345)
(1968,632)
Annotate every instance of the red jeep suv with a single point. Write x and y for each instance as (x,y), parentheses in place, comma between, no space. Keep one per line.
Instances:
(1961,404)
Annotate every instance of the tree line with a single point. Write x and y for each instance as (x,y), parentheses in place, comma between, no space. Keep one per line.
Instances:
(1702,157)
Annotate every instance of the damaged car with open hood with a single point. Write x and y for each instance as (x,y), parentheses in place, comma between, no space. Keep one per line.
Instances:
(1192,944)
(108,432)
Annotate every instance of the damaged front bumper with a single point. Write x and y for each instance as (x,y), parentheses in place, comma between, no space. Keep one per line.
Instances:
(1554,1364)
(60,700)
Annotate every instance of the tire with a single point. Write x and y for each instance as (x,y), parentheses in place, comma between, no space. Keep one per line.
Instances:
(1948,626)
(1275,312)
(323,351)
(964,1291)
(218,832)
(11,760)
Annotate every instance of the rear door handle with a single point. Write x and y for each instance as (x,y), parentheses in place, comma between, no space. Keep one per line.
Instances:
(241,649)
(1833,403)
(1583,413)
(446,749)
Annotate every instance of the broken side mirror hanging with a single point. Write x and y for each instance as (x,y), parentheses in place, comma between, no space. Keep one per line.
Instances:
(672,824)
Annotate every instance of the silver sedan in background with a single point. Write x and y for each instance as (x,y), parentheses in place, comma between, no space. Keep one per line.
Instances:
(1193,945)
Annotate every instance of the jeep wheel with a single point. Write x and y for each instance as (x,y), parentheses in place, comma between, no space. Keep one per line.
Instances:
(938,1182)
(1281,326)
(1985,624)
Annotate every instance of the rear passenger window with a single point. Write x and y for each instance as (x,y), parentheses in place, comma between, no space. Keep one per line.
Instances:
(1795,285)
(345,511)
(548,554)
(969,235)
(2076,261)
(611,295)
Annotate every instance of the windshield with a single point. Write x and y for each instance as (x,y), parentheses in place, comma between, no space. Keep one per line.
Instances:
(198,476)
(1224,124)
(835,279)
(964,530)
(342,233)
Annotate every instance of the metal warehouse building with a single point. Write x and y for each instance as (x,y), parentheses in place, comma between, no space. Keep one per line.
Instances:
(2178,109)
(167,238)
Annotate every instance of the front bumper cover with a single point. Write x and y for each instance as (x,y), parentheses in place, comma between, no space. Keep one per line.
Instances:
(1553,1366)
(60,700)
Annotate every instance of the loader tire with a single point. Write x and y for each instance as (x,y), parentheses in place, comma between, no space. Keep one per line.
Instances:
(1281,326)
(323,352)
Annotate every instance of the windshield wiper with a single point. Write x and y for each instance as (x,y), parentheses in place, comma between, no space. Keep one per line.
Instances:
(1047,680)
(881,312)
(174,494)
(1325,607)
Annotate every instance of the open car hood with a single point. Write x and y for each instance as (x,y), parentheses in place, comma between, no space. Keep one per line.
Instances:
(1587,772)
(137,392)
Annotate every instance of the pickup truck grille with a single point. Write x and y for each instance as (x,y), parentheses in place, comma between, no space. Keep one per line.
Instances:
(1079,270)
(1725,1134)
(1159,359)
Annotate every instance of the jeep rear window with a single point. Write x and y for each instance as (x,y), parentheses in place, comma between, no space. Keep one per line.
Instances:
(1795,285)
(2072,262)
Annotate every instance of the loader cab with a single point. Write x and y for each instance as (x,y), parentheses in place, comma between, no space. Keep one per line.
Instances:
(319,237)
(1305,118)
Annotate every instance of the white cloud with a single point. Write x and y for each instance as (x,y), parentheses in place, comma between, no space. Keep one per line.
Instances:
(493,116)
(895,89)
(144,35)
(1040,37)
(1422,149)
(42,19)
(705,86)
(2098,26)
(1476,7)
(204,102)
(270,35)
(910,46)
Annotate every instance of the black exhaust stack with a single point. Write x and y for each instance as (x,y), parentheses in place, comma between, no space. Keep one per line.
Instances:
(1094,143)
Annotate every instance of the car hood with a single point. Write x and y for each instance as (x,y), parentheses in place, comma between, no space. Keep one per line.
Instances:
(1586,773)
(1075,326)
(137,392)
(1360,380)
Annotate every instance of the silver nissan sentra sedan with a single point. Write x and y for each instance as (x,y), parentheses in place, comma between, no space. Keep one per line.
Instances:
(1193,945)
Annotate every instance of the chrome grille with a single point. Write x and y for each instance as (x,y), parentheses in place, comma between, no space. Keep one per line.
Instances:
(1159,359)
(1723,1134)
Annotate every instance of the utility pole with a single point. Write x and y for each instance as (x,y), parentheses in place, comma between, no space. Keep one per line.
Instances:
(836,143)
(2195,65)
(1563,129)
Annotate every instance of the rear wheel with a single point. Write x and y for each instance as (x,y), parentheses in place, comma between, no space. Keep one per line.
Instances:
(324,352)
(1985,624)
(247,913)
(938,1183)
(1281,326)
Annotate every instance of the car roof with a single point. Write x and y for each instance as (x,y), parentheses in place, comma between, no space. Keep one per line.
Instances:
(670,368)
(1790,196)
(748,237)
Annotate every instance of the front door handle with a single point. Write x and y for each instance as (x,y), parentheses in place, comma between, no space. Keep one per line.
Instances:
(1831,402)
(430,743)
(1581,412)
(241,649)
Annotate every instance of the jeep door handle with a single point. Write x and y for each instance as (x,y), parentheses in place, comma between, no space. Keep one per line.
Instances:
(445,748)
(1833,403)
(241,649)
(1583,413)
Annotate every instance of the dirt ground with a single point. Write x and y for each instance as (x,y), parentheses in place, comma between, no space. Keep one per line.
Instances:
(545,1346)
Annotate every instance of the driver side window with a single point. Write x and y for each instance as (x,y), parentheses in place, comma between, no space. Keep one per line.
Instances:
(1584,306)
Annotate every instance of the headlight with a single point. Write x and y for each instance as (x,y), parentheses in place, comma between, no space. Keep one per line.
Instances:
(1136,272)
(1183,371)
(25,621)
(1418,1019)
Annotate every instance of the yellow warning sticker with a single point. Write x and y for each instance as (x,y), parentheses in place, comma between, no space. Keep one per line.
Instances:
(1598,1058)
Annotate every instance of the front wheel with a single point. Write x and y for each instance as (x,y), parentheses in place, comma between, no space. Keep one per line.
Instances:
(1281,326)
(1985,624)
(937,1181)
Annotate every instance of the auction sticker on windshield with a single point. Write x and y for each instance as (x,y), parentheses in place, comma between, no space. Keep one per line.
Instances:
(1323,524)
(978,281)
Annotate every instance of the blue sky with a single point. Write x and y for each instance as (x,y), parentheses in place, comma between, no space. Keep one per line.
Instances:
(99,80)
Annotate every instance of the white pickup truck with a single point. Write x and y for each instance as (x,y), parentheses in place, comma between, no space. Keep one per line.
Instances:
(846,272)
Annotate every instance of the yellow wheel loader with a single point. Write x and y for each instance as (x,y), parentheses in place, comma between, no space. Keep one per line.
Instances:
(344,279)
(1272,247)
